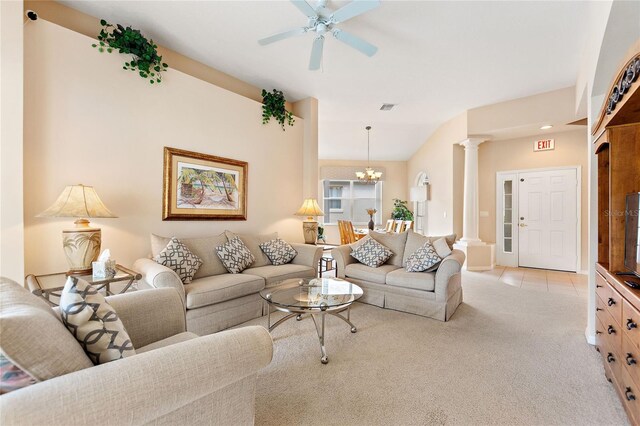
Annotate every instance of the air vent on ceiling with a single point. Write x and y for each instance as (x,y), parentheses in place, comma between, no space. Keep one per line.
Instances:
(387,107)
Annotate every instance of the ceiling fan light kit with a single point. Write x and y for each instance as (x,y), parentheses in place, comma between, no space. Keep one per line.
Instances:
(322,20)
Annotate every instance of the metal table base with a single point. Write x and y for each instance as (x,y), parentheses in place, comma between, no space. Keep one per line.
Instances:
(319,324)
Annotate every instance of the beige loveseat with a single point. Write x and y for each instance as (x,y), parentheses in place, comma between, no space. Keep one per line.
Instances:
(215,299)
(175,377)
(431,294)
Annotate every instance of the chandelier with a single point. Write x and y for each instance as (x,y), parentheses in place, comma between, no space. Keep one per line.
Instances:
(369,175)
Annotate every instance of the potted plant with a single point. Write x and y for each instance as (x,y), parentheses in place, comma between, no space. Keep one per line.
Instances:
(400,210)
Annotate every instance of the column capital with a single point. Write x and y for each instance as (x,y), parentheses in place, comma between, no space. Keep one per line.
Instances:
(473,142)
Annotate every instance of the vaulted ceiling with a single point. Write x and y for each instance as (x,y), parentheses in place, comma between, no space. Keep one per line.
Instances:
(434,59)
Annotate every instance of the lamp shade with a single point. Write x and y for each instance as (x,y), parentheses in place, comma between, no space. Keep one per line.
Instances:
(418,193)
(310,207)
(78,201)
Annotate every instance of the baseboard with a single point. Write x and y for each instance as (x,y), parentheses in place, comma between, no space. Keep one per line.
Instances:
(583,272)
(591,338)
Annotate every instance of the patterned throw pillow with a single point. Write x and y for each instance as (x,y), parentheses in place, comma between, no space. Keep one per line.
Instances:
(371,253)
(235,256)
(177,257)
(424,259)
(93,322)
(12,377)
(278,251)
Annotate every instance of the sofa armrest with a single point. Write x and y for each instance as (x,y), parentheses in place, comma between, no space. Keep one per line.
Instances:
(146,386)
(342,256)
(150,315)
(159,276)
(308,255)
(450,266)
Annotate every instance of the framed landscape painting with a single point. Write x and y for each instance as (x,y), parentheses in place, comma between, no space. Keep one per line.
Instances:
(203,187)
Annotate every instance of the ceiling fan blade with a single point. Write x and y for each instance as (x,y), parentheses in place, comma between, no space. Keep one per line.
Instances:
(305,8)
(282,36)
(316,53)
(355,42)
(353,9)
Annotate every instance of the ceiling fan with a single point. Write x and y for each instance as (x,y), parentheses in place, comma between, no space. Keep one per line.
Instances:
(322,21)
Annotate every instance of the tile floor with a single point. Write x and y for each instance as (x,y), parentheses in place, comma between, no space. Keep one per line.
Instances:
(538,279)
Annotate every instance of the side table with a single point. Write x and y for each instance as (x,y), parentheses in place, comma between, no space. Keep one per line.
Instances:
(51,285)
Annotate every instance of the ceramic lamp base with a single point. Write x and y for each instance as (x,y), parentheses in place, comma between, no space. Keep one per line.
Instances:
(310,231)
(81,246)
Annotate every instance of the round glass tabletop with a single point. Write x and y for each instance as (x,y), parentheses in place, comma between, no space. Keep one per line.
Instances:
(316,293)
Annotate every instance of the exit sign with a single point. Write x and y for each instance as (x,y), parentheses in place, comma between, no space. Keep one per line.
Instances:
(544,145)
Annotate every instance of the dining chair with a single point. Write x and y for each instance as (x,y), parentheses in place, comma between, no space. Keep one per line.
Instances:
(347,233)
(397,226)
(389,226)
(407,225)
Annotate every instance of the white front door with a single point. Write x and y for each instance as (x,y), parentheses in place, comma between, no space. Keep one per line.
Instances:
(548,219)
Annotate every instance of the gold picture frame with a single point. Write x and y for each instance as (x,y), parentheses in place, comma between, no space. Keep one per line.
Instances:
(199,186)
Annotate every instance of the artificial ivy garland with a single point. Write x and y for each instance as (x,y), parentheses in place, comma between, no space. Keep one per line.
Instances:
(129,41)
(273,105)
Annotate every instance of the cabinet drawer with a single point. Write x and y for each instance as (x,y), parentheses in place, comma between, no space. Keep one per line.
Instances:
(631,322)
(612,331)
(629,394)
(601,341)
(600,305)
(602,288)
(630,357)
(614,305)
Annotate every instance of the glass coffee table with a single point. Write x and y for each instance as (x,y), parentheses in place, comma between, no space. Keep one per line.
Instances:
(315,297)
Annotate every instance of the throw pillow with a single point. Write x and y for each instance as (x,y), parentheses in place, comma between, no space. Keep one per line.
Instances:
(93,322)
(177,257)
(12,377)
(424,259)
(203,247)
(235,256)
(371,253)
(441,247)
(252,242)
(278,251)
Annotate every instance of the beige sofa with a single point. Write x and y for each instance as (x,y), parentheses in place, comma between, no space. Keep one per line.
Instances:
(431,294)
(215,299)
(175,377)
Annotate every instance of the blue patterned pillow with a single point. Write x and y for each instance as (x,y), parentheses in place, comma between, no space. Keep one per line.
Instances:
(371,253)
(278,251)
(235,256)
(424,259)
(177,257)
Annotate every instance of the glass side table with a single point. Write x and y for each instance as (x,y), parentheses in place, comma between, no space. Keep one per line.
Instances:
(50,286)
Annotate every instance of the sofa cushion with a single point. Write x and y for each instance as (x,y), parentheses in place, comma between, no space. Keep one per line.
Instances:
(394,242)
(424,259)
(203,247)
(177,257)
(33,337)
(372,253)
(278,251)
(235,256)
(415,280)
(253,244)
(176,338)
(93,322)
(366,273)
(273,274)
(220,288)
(415,241)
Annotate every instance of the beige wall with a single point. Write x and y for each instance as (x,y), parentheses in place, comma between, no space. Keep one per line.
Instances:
(394,186)
(11,153)
(88,121)
(516,154)
(443,164)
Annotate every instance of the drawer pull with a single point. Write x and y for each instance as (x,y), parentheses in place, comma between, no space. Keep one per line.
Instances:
(611,330)
(598,332)
(629,394)
(630,360)
(631,324)
(610,358)
(598,286)
(611,302)
(599,309)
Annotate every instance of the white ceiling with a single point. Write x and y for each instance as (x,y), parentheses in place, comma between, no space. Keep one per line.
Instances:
(435,59)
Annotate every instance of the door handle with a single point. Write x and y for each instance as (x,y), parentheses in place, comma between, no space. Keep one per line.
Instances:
(522,225)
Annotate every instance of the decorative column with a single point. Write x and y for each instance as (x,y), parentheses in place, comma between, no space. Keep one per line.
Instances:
(471,211)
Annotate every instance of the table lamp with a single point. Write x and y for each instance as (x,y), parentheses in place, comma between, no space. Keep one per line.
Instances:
(310,208)
(82,243)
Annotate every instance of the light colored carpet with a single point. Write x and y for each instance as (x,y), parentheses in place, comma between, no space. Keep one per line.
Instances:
(508,356)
